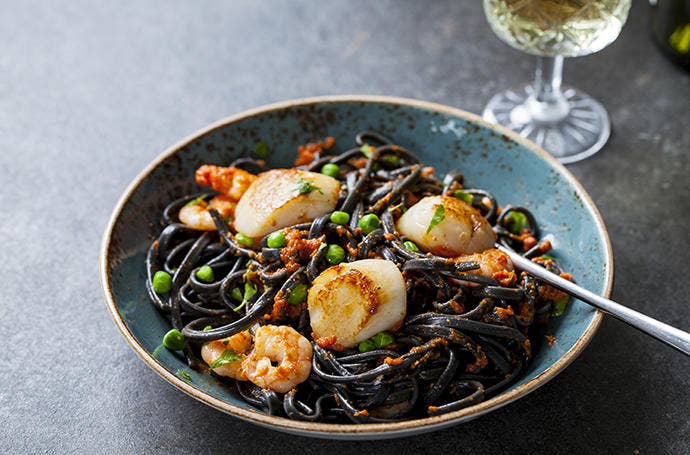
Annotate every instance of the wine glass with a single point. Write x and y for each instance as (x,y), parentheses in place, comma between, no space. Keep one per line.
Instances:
(567,122)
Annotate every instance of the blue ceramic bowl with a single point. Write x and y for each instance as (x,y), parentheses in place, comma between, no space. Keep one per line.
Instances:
(516,171)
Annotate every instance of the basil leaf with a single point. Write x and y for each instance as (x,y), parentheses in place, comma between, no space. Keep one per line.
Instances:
(439,215)
(228,356)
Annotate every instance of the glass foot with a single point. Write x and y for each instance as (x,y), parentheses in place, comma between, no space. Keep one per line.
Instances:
(571,131)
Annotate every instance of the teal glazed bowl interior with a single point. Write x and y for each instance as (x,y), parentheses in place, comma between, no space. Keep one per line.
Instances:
(516,171)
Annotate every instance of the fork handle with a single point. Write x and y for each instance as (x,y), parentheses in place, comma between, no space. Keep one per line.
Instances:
(665,333)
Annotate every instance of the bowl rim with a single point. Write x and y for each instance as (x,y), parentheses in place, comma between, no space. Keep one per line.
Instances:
(353,430)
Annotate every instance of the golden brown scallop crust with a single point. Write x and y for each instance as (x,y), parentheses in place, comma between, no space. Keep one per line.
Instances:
(333,281)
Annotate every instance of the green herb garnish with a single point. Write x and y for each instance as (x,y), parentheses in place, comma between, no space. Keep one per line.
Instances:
(261,149)
(378,341)
(236,294)
(439,215)
(367,150)
(196,201)
(366,346)
(304,186)
(249,292)
(463,196)
(228,356)
(184,375)
(383,339)
(400,206)
(411,246)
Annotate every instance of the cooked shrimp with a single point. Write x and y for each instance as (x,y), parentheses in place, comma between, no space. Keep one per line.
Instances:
(493,263)
(197,215)
(286,347)
(446,226)
(229,181)
(351,302)
(239,344)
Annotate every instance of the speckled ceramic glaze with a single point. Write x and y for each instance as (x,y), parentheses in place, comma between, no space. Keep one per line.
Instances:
(514,170)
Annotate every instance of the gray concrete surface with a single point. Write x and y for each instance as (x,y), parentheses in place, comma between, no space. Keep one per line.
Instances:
(90,92)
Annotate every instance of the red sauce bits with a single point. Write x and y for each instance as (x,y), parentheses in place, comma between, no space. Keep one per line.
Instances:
(297,250)
(309,152)
(282,309)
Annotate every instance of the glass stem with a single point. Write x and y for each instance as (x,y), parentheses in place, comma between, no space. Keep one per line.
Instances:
(549,104)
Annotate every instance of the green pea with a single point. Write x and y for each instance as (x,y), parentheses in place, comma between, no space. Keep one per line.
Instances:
(298,294)
(464,196)
(410,246)
(335,254)
(244,239)
(559,306)
(236,294)
(207,328)
(390,160)
(174,340)
(515,222)
(341,218)
(331,170)
(366,346)
(382,339)
(369,223)
(276,240)
(162,282)
(205,274)
(261,149)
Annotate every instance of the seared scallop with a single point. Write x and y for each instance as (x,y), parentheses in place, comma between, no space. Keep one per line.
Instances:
(283,197)
(446,226)
(351,302)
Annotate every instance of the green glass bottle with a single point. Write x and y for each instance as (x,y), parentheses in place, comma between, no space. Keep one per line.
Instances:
(671,29)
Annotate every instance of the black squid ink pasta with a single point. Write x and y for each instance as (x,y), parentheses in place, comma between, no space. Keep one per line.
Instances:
(469,324)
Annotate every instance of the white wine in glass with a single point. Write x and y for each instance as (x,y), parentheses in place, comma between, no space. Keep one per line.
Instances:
(566,122)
